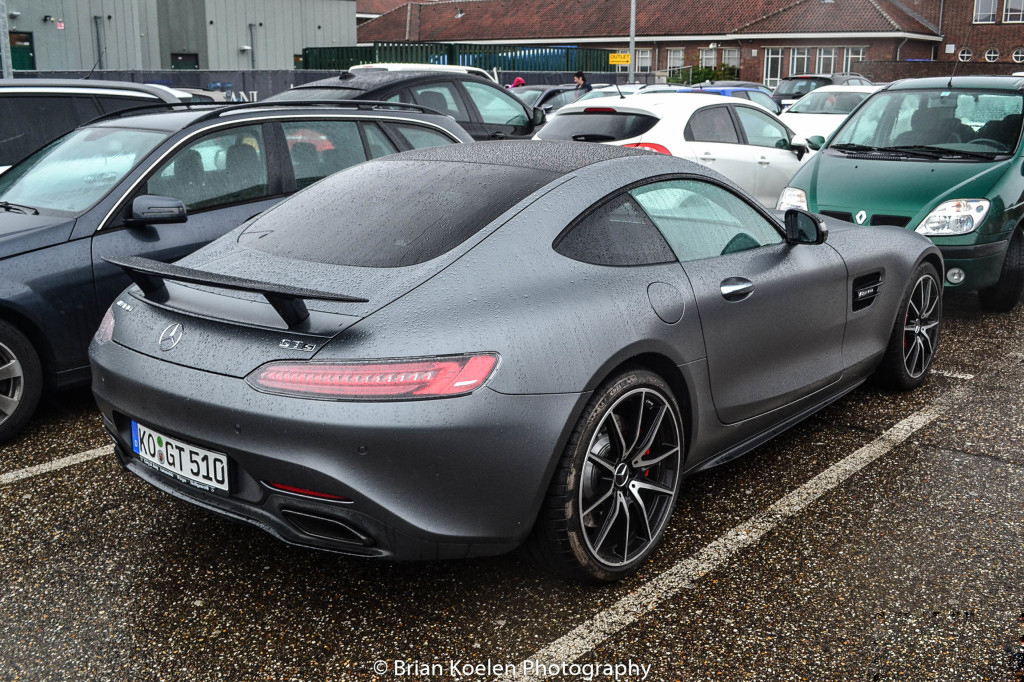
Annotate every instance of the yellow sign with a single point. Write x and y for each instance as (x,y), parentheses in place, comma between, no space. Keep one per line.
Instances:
(619,58)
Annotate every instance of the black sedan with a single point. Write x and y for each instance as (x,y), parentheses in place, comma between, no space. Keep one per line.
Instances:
(450,352)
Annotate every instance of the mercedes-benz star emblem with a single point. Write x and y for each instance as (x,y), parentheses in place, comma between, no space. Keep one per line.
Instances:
(170,336)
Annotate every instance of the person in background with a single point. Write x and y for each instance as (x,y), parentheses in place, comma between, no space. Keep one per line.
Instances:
(582,86)
(518,81)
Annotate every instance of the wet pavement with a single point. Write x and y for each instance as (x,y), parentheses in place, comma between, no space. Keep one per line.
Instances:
(910,569)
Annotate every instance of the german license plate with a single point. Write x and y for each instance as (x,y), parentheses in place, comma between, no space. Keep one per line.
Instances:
(186,462)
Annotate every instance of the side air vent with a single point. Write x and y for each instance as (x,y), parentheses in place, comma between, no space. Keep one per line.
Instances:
(848,217)
(897,220)
(326,528)
(865,290)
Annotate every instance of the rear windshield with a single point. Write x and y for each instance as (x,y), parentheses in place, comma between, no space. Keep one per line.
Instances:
(800,86)
(391,213)
(318,94)
(596,126)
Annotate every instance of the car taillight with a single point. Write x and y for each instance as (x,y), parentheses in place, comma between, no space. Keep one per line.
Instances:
(650,145)
(106,329)
(308,493)
(435,377)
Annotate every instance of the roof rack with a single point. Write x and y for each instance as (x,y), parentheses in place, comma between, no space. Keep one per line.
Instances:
(362,104)
(144,108)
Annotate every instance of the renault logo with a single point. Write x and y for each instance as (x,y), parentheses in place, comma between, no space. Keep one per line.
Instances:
(170,336)
(861,217)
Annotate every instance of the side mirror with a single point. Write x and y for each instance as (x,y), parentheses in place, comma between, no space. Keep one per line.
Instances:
(539,117)
(798,146)
(150,209)
(815,142)
(804,228)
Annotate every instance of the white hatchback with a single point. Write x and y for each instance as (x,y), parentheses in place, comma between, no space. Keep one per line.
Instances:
(822,111)
(739,139)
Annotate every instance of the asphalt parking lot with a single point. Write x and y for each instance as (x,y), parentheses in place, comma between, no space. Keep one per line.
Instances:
(882,539)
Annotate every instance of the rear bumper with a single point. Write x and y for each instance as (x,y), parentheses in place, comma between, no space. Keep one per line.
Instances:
(430,479)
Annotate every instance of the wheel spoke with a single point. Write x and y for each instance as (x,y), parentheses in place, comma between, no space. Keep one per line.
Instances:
(639,422)
(618,432)
(625,543)
(640,462)
(609,521)
(600,501)
(601,461)
(647,485)
(643,511)
(8,405)
(12,370)
(652,433)
(912,309)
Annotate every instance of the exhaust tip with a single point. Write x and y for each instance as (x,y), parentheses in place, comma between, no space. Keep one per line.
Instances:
(327,528)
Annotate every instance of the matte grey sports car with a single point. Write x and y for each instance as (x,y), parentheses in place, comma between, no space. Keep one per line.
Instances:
(450,352)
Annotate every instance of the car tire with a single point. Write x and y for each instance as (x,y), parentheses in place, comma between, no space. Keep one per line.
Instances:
(611,498)
(21,381)
(1004,295)
(915,336)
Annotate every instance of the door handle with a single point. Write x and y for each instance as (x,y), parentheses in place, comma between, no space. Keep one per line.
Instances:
(736,288)
(706,157)
(764,161)
(498,136)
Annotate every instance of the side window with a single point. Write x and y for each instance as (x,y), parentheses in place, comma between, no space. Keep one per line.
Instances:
(420,136)
(319,148)
(713,124)
(441,97)
(762,99)
(111,103)
(761,130)
(563,98)
(495,106)
(227,167)
(702,220)
(616,233)
(377,141)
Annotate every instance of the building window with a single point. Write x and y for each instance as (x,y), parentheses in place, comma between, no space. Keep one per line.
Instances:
(799,60)
(731,57)
(965,54)
(675,58)
(707,58)
(826,60)
(641,63)
(1013,13)
(772,66)
(1018,55)
(853,55)
(984,12)
(991,55)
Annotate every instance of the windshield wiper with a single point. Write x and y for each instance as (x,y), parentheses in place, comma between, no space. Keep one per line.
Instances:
(853,147)
(919,150)
(17,208)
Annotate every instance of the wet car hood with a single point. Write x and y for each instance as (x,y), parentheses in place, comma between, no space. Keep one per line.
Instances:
(895,188)
(20,233)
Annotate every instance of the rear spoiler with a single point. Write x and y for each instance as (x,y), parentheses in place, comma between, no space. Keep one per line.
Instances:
(288,301)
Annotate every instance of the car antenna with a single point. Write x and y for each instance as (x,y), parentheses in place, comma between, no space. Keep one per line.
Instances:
(616,84)
(98,60)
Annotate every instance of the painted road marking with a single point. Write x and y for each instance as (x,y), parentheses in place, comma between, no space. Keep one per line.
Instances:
(688,571)
(29,472)
(953,375)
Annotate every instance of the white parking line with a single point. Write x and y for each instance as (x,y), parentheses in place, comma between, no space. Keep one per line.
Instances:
(686,572)
(29,472)
(953,375)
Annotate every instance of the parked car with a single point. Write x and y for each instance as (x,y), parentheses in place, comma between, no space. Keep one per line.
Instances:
(540,357)
(792,88)
(123,186)
(939,156)
(614,90)
(735,84)
(36,111)
(822,111)
(737,138)
(442,68)
(550,98)
(485,109)
(754,95)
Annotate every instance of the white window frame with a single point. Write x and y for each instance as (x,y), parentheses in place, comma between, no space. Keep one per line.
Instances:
(641,62)
(1018,56)
(676,58)
(991,55)
(987,16)
(773,54)
(803,54)
(1013,12)
(708,54)
(965,54)
(859,52)
(731,56)
(830,52)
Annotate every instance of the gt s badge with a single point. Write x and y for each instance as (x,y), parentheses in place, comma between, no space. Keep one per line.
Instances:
(292,344)
(861,217)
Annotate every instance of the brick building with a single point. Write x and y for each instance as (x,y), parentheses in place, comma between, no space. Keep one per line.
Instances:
(766,39)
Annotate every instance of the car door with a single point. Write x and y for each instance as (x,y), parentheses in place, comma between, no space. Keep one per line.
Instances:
(501,116)
(773,314)
(775,160)
(444,97)
(222,178)
(715,143)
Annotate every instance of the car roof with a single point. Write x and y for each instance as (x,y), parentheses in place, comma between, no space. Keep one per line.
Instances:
(71,85)
(544,87)
(658,104)
(442,68)
(560,157)
(846,88)
(1009,83)
(371,79)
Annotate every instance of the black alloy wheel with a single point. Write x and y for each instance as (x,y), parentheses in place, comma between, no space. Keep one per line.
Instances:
(915,337)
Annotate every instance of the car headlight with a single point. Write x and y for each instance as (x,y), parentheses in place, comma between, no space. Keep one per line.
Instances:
(792,197)
(959,216)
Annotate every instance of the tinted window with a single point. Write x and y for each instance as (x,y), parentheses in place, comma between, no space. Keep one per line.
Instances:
(390,213)
(762,130)
(377,141)
(616,233)
(762,99)
(441,97)
(713,124)
(800,86)
(319,148)
(496,107)
(596,127)
(29,122)
(702,220)
(226,167)
(111,103)
(421,136)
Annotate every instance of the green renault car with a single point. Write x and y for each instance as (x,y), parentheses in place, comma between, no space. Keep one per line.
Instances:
(943,157)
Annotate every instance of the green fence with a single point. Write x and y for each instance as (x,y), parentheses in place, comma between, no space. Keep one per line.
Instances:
(508,57)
